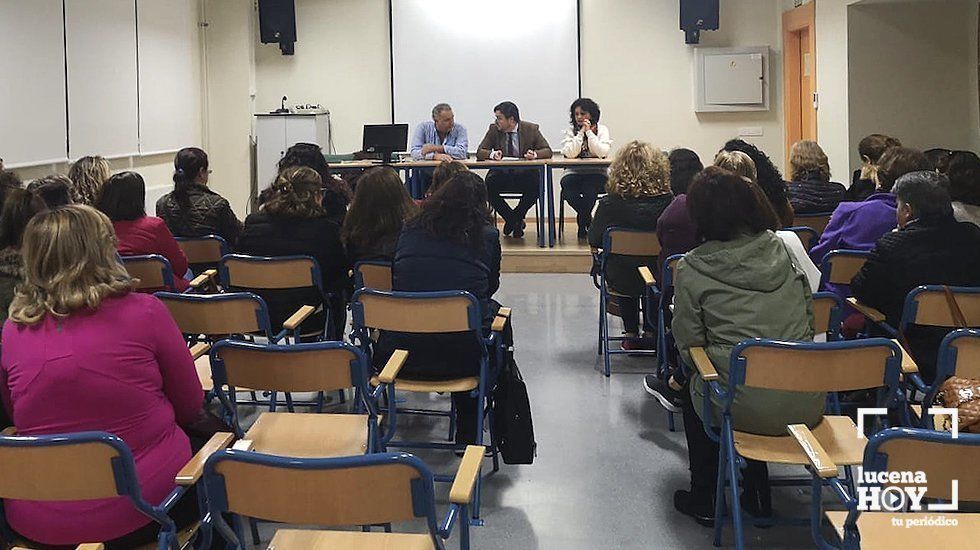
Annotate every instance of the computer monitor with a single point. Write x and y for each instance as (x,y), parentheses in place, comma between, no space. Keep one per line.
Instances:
(385,139)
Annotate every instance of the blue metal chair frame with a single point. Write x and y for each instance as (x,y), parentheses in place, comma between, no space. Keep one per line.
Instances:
(423,490)
(945,367)
(167,272)
(365,399)
(124,471)
(825,262)
(222,244)
(833,334)
(802,230)
(315,275)
(729,461)
(475,321)
(604,296)
(874,461)
(665,339)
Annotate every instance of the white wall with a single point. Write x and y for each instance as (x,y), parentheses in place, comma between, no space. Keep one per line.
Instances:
(912,72)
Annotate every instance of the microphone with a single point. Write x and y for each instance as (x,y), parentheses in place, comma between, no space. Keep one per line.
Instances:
(282,109)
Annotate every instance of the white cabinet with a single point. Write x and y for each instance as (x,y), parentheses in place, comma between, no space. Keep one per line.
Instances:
(274,133)
(731,79)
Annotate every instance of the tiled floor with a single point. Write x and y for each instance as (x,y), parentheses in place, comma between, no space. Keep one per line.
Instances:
(607,466)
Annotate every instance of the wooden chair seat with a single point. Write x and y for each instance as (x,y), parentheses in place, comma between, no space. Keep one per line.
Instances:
(203,366)
(309,435)
(289,539)
(434,386)
(835,433)
(878,533)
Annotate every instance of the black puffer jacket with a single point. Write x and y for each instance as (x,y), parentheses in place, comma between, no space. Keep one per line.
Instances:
(810,195)
(640,214)
(205,213)
(939,251)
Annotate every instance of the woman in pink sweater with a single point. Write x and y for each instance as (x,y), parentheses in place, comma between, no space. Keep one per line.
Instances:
(123,199)
(82,352)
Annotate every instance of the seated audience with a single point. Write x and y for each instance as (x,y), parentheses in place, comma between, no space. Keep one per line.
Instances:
(513,138)
(377,214)
(450,244)
(964,186)
(443,173)
(54,190)
(294,222)
(929,248)
(192,209)
(769,179)
(741,165)
(857,225)
(939,157)
(638,191)
(863,180)
(336,192)
(122,199)
(20,207)
(580,186)
(83,352)
(87,176)
(739,284)
(811,191)
(675,228)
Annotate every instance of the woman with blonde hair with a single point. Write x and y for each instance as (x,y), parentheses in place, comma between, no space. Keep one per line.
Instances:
(112,360)
(294,222)
(811,191)
(638,192)
(87,175)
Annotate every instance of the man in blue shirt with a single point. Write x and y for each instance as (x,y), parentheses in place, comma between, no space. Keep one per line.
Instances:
(439,139)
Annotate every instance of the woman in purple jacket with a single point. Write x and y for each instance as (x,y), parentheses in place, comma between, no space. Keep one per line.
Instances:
(675,228)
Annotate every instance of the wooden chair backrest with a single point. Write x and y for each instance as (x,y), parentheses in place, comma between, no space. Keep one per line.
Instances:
(270,274)
(815,370)
(148,272)
(933,309)
(823,306)
(78,471)
(337,497)
(375,276)
(289,371)
(816,222)
(967,356)
(942,462)
(843,267)
(217,317)
(427,315)
(633,243)
(201,251)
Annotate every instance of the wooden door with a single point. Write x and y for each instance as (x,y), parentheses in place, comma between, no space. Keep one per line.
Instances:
(799,75)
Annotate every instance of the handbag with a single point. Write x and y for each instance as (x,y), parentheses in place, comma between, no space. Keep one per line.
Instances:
(512,425)
(962,394)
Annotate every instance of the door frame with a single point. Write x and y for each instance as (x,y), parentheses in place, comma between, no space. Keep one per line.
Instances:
(794,21)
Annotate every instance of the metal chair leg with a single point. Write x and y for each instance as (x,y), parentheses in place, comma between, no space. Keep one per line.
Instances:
(736,505)
(720,490)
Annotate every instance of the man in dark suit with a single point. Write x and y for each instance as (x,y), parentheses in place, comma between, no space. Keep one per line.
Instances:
(512,137)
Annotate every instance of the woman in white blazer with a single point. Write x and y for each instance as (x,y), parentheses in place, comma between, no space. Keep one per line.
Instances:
(585,139)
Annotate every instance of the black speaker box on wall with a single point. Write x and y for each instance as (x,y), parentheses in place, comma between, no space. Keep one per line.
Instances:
(698,15)
(277,23)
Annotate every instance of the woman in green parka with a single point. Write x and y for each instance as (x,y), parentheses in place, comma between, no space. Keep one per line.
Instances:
(740,283)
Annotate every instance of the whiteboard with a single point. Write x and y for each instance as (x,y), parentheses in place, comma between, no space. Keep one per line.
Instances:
(103,116)
(169,75)
(32,85)
(473,54)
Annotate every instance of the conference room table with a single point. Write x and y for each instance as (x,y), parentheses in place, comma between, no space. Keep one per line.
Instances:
(545,208)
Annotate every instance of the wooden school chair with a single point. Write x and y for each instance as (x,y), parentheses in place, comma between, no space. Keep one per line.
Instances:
(316,367)
(153,272)
(808,236)
(942,457)
(376,489)
(263,274)
(818,221)
(430,313)
(93,465)
(662,294)
(791,366)
(838,267)
(372,274)
(208,249)
(621,242)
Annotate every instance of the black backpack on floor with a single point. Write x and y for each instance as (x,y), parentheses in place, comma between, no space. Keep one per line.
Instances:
(512,425)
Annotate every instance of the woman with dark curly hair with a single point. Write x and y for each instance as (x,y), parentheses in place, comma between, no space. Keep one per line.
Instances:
(451,244)
(586,138)
(769,179)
